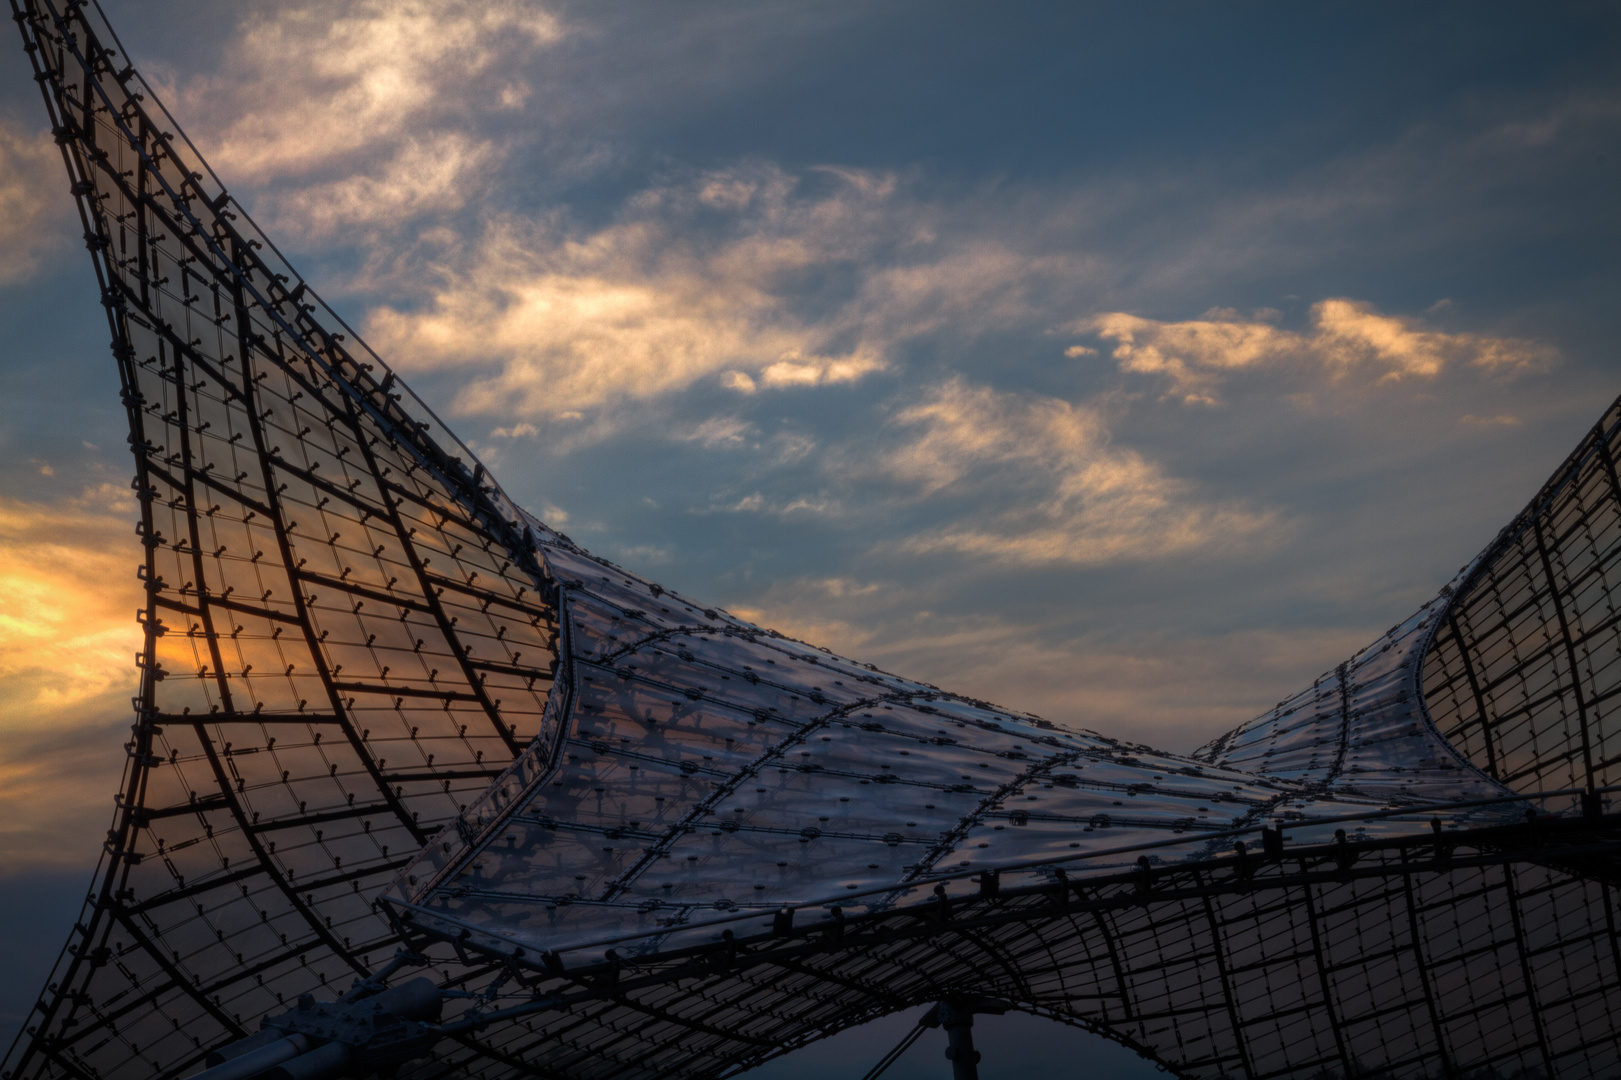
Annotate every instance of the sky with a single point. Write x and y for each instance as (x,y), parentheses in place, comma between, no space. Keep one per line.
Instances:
(1129,364)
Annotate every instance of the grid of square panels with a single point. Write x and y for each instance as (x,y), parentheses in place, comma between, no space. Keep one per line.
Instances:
(348,633)
(1525,676)
(1419,965)
(351,632)
(1414,977)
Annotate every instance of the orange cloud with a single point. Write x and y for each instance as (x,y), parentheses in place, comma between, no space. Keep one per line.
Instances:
(548,323)
(1081,499)
(370,74)
(68,633)
(68,637)
(1345,336)
(705,279)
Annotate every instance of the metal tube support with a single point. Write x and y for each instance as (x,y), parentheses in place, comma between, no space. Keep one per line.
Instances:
(221,1054)
(322,1063)
(254,1062)
(957,1017)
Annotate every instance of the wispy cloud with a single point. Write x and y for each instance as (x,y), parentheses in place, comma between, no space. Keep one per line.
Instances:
(544,326)
(752,278)
(723,432)
(1345,337)
(783,505)
(33,201)
(56,785)
(68,639)
(1049,485)
(68,630)
(430,175)
(692,283)
(382,118)
(367,74)
(1168,688)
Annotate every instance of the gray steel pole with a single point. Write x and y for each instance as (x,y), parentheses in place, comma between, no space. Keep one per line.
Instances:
(957,1017)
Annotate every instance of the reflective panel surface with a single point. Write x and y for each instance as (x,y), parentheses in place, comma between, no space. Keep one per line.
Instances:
(381,707)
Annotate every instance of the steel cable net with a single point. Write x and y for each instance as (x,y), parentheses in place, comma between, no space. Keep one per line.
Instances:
(347,633)
(381,706)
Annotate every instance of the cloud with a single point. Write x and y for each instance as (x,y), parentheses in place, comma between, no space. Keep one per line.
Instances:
(434,174)
(793,371)
(1168,687)
(365,116)
(640,554)
(1012,478)
(544,326)
(839,587)
(1047,485)
(56,788)
(721,432)
(67,631)
(783,506)
(752,278)
(33,201)
(68,639)
(698,280)
(1345,337)
(367,74)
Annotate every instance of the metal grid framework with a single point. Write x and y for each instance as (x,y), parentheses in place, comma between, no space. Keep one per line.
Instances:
(347,632)
(1525,676)
(380,704)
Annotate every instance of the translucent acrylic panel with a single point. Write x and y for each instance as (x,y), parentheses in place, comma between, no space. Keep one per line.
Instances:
(354,637)
(712,770)
(1523,676)
(336,598)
